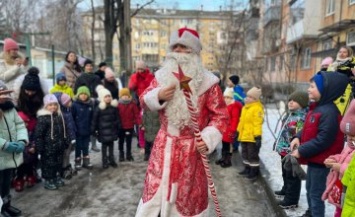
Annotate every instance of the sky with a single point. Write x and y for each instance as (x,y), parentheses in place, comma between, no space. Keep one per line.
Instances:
(208,5)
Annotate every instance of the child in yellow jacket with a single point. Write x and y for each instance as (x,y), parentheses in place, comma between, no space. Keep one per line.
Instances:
(250,132)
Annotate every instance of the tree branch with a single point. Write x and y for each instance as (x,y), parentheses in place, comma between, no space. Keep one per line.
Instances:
(141,7)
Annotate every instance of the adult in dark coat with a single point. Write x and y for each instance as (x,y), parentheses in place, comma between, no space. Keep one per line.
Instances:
(88,79)
(105,124)
(101,71)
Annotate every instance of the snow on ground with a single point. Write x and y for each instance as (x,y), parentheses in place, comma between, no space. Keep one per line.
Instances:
(272,162)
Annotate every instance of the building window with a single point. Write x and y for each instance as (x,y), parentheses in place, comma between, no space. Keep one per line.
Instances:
(306,59)
(351,2)
(327,44)
(330,7)
(350,38)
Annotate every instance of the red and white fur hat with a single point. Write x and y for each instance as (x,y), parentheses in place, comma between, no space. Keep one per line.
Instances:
(188,37)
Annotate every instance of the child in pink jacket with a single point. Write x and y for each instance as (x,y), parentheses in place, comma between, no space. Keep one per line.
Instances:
(339,162)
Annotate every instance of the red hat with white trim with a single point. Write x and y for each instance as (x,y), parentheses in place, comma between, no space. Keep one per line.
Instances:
(187,37)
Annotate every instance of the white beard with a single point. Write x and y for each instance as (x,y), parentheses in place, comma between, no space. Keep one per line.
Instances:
(176,109)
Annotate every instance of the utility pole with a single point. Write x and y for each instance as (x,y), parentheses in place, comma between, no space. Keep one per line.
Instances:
(127,34)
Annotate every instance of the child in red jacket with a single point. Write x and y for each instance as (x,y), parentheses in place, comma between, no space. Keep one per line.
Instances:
(234,110)
(129,115)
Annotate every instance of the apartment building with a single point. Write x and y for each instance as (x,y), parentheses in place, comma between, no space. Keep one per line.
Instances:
(151,29)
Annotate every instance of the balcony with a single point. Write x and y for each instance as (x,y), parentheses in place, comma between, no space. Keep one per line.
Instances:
(272,14)
(303,29)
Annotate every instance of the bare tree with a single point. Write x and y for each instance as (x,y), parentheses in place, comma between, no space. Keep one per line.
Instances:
(114,18)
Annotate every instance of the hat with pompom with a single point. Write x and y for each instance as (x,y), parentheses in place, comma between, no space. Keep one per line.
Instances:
(102,92)
(187,37)
(31,80)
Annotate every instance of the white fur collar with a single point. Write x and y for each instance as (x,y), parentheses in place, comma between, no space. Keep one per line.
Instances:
(209,79)
(103,105)
(43,112)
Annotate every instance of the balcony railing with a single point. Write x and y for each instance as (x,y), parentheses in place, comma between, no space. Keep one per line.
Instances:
(272,14)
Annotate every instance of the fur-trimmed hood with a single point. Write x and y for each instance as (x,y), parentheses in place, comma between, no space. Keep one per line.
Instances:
(43,112)
(18,83)
(103,105)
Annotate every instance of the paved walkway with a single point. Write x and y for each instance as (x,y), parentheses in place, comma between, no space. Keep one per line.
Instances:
(116,192)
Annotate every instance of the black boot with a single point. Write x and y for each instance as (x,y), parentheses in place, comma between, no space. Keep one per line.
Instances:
(147,149)
(9,210)
(253,174)
(111,156)
(218,162)
(246,171)
(86,163)
(227,161)
(121,158)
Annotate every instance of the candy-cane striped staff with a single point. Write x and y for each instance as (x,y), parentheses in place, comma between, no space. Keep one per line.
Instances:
(184,85)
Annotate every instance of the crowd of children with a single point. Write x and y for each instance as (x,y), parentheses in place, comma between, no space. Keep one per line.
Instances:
(41,127)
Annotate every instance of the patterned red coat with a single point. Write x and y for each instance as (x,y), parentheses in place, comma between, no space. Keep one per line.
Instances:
(176,183)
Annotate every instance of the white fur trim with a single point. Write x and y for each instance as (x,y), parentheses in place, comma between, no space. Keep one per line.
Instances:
(211,136)
(151,100)
(44,111)
(188,39)
(103,105)
(173,193)
(209,79)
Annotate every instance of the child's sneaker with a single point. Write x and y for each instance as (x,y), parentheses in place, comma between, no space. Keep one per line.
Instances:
(19,185)
(31,181)
(286,205)
(50,185)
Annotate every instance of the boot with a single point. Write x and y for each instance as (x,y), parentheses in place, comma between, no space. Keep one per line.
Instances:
(227,161)
(86,163)
(281,192)
(8,210)
(129,157)
(121,158)
(307,213)
(111,156)
(49,184)
(218,162)
(253,174)
(246,171)
(67,172)
(78,163)
(59,182)
(287,205)
(104,157)
(31,181)
(19,184)
(93,144)
(147,149)
(146,156)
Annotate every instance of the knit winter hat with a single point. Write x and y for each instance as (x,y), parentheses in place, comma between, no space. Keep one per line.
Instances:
(60,77)
(65,99)
(109,73)
(188,37)
(124,92)
(318,79)
(102,92)
(82,90)
(234,79)
(10,44)
(31,80)
(49,98)
(228,93)
(347,124)
(301,97)
(326,62)
(254,92)
(140,64)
